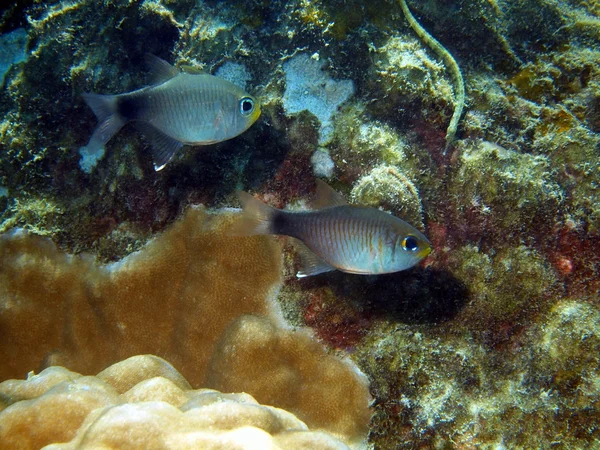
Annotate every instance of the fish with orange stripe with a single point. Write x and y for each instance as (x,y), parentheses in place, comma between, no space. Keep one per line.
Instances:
(353,239)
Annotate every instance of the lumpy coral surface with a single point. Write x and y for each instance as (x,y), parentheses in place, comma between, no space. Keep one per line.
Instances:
(142,403)
(491,343)
(195,295)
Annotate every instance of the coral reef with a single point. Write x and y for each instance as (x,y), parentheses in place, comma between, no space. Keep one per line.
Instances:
(510,397)
(307,87)
(323,165)
(190,295)
(387,186)
(12,50)
(516,191)
(451,65)
(142,403)
(407,74)
(492,342)
(506,286)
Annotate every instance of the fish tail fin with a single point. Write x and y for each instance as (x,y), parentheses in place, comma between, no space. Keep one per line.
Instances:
(109,120)
(257,217)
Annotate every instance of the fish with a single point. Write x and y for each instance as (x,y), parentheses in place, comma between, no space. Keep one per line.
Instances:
(336,235)
(178,109)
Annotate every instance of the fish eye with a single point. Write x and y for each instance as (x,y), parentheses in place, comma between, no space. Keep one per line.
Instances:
(246,106)
(410,244)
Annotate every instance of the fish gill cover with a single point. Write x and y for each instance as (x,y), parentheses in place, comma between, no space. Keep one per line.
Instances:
(492,341)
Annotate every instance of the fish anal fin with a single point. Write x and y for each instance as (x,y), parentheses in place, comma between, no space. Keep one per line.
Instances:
(327,197)
(310,263)
(163,147)
(160,70)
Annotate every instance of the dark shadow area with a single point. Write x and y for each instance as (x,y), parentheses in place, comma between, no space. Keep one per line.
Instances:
(416,296)
(207,174)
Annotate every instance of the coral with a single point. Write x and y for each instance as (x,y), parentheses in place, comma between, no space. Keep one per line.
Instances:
(388,187)
(234,73)
(516,192)
(35,214)
(335,320)
(571,336)
(503,286)
(308,87)
(185,296)
(409,82)
(142,403)
(509,396)
(359,141)
(361,144)
(576,259)
(89,158)
(406,70)
(492,343)
(323,391)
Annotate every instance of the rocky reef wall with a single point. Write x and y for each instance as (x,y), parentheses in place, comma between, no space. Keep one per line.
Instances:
(492,341)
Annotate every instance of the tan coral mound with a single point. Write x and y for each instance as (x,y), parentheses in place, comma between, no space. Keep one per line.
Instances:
(173,298)
(142,403)
(194,296)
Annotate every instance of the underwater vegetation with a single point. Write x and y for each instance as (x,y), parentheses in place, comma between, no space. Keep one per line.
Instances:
(492,341)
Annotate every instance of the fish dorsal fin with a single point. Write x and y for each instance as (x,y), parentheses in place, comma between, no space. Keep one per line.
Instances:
(163,147)
(160,70)
(192,70)
(310,263)
(326,197)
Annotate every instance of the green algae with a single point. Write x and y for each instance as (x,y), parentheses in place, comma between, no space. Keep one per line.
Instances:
(505,285)
(515,190)
(452,390)
(38,215)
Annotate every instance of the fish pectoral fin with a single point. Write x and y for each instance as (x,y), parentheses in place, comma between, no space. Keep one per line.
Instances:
(163,147)
(327,197)
(160,70)
(310,263)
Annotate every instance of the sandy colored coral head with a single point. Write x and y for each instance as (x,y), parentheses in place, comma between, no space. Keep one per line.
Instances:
(66,410)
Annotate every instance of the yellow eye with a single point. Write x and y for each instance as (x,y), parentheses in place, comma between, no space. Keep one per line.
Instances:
(410,244)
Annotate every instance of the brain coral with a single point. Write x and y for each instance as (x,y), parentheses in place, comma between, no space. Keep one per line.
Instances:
(193,295)
(142,403)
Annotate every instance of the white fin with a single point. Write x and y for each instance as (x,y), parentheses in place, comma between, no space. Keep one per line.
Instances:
(163,147)
(105,108)
(326,197)
(310,263)
(160,69)
(257,217)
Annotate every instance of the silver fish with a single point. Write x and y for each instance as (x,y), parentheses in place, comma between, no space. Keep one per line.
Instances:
(180,109)
(352,239)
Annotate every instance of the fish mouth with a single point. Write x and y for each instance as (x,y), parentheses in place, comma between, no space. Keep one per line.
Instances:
(425,252)
(255,114)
